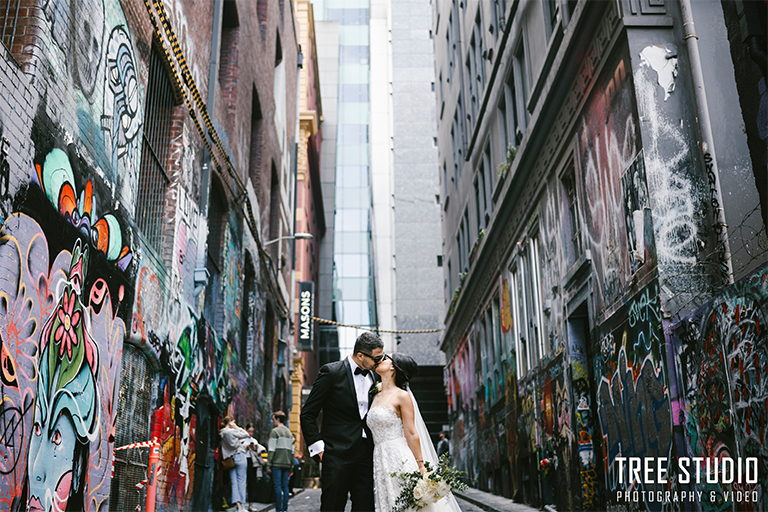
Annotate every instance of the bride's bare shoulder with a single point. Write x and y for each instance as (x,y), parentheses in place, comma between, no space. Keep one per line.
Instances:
(402,396)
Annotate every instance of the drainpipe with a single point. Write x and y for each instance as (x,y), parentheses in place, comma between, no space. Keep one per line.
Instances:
(201,270)
(707,140)
(292,347)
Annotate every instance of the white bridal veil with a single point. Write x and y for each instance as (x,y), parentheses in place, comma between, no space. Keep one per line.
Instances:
(447,504)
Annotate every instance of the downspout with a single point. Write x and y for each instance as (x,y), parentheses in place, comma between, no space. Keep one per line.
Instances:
(707,141)
(201,270)
(297,134)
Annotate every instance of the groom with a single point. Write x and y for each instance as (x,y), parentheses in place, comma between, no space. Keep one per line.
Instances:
(344,445)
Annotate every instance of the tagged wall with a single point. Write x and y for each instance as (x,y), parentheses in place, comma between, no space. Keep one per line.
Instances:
(722,386)
(67,281)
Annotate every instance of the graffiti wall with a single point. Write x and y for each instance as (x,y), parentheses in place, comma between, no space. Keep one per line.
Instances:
(722,386)
(67,267)
(634,404)
(608,144)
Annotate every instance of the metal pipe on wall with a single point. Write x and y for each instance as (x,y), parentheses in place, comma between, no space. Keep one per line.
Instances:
(707,139)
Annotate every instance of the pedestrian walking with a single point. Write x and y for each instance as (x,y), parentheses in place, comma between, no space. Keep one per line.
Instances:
(233,458)
(280,459)
(442,445)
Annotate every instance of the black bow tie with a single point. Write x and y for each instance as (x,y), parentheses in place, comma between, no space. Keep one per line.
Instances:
(359,371)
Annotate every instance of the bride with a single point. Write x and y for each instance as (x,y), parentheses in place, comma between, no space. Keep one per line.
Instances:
(401,442)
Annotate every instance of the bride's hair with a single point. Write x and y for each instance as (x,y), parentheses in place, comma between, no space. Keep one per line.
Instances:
(405,369)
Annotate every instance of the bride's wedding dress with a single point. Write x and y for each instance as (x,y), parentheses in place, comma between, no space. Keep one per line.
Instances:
(391,454)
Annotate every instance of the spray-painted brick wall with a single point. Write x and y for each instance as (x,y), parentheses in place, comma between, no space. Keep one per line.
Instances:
(86,302)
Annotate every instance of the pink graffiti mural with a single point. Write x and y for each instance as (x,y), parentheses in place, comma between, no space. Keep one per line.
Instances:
(61,352)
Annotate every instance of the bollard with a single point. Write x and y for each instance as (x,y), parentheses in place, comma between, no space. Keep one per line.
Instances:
(154,460)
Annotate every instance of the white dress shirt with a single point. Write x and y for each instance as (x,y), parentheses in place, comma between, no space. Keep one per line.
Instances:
(363,384)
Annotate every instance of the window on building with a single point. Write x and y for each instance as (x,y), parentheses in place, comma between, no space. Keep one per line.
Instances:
(274,209)
(460,247)
(228,54)
(469,73)
(446,190)
(245,313)
(479,200)
(534,306)
(462,134)
(486,360)
(465,232)
(450,279)
(520,319)
(527,307)
(551,8)
(494,27)
(13,26)
(480,54)
(254,159)
(462,242)
(153,177)
(521,74)
(572,224)
(441,97)
(489,182)
(502,121)
(217,218)
(456,147)
(514,131)
(450,48)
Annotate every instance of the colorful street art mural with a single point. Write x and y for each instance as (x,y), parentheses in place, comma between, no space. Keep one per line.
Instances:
(634,405)
(609,142)
(722,386)
(61,345)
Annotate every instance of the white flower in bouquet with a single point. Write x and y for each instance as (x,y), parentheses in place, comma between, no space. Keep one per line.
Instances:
(421,490)
(441,490)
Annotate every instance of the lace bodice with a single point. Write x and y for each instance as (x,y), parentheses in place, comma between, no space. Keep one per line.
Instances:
(384,424)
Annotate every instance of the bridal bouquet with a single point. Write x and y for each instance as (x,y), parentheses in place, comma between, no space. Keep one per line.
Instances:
(419,491)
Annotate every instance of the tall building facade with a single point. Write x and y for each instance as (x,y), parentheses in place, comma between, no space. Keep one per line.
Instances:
(147,162)
(310,216)
(603,178)
(354,296)
(387,254)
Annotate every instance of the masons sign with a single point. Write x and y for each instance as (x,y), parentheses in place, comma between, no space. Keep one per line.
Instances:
(306,312)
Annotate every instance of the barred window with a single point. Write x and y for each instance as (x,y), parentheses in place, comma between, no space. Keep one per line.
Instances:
(131,426)
(153,177)
(572,225)
(13,18)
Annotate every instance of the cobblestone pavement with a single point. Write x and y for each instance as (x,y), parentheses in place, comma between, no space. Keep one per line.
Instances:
(309,501)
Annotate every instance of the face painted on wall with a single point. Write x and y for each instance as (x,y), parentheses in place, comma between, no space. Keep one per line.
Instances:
(66,406)
(51,467)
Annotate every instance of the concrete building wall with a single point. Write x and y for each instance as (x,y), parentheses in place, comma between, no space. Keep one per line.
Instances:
(327,37)
(417,240)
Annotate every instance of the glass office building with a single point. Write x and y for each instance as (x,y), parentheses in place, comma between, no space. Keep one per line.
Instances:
(354,297)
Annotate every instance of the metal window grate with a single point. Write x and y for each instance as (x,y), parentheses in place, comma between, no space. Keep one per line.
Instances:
(153,179)
(10,18)
(131,426)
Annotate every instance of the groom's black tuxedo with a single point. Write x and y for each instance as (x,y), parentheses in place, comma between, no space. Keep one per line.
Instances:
(348,456)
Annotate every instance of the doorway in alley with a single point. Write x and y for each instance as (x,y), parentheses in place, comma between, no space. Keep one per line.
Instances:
(587,472)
